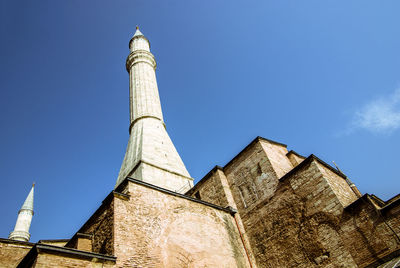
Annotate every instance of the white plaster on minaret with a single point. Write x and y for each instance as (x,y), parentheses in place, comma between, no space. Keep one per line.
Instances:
(150,156)
(25,214)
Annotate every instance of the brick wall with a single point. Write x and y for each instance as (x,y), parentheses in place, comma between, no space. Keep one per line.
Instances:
(12,252)
(251,177)
(44,260)
(299,212)
(211,189)
(157,229)
(369,233)
(291,217)
(339,185)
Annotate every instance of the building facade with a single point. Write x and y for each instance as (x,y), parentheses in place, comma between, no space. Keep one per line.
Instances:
(267,207)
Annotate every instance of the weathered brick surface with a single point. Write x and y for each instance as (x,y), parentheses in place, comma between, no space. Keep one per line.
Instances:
(212,190)
(296,228)
(12,252)
(251,177)
(156,229)
(57,242)
(301,220)
(369,234)
(277,156)
(304,217)
(44,260)
(338,184)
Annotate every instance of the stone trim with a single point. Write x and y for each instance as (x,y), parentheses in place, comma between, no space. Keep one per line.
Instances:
(84,235)
(12,241)
(44,241)
(366,198)
(26,209)
(29,258)
(385,260)
(74,252)
(121,195)
(363,199)
(143,117)
(150,164)
(170,171)
(140,56)
(377,200)
(394,198)
(391,205)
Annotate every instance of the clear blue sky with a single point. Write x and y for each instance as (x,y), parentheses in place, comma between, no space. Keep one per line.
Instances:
(319,76)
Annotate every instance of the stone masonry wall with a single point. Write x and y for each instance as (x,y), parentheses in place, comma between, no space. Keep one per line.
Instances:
(251,177)
(157,229)
(339,185)
(277,156)
(212,190)
(294,158)
(288,223)
(369,233)
(12,252)
(298,226)
(304,216)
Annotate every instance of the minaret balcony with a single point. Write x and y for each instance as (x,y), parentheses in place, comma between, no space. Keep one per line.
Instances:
(140,56)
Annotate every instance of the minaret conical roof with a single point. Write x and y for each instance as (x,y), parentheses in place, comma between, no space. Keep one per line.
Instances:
(28,204)
(138,32)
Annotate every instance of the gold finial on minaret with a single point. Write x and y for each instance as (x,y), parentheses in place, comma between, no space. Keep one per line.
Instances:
(137,27)
(33,184)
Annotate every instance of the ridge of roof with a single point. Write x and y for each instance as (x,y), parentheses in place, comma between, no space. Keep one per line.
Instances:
(204,179)
(258,138)
(33,252)
(53,240)
(308,160)
(295,153)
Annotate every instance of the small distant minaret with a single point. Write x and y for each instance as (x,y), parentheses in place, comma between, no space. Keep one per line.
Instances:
(21,230)
(151,156)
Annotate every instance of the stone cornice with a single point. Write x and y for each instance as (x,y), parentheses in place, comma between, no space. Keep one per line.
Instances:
(140,56)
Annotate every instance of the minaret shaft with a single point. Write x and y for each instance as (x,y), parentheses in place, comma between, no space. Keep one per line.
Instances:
(144,98)
(21,229)
(150,156)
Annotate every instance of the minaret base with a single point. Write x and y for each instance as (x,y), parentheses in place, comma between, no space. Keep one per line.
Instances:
(151,157)
(20,236)
(163,178)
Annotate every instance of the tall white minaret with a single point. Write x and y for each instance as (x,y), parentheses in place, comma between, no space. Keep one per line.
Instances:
(151,156)
(25,214)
